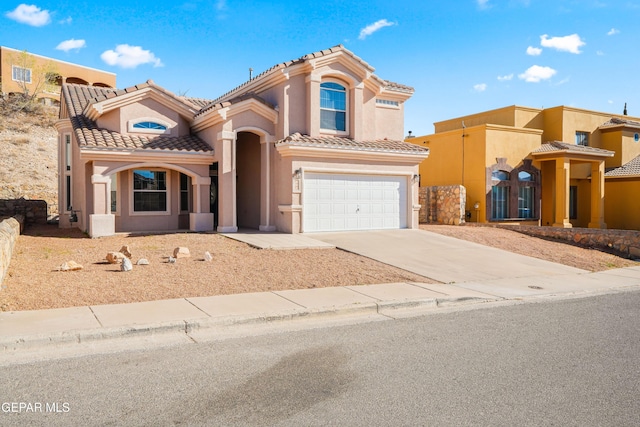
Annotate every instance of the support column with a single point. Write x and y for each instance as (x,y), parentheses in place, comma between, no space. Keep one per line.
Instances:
(102,222)
(597,195)
(356,124)
(563,173)
(198,220)
(313,96)
(227,206)
(266,143)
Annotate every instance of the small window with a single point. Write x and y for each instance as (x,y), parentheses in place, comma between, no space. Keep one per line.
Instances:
(149,191)
(526,202)
(149,125)
(387,102)
(582,138)
(333,106)
(20,74)
(525,176)
(185,184)
(114,193)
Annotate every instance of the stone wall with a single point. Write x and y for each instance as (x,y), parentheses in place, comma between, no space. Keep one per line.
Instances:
(624,243)
(33,211)
(442,205)
(9,232)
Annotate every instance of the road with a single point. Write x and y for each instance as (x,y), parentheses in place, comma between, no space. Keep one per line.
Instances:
(560,362)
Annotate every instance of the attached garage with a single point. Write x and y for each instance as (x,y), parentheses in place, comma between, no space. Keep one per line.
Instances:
(340,202)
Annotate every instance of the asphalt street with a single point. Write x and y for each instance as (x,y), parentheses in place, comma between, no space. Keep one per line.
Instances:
(558,362)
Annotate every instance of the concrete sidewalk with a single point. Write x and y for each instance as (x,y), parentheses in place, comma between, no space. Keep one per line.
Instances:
(190,316)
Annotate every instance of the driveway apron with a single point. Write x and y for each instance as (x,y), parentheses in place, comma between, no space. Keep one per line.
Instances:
(446,259)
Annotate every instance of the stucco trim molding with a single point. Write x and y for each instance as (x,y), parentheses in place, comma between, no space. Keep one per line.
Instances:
(346,154)
(290,208)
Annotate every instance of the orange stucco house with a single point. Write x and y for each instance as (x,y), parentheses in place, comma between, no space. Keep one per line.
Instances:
(313,144)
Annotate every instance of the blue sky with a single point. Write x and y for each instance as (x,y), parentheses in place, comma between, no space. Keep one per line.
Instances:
(461,56)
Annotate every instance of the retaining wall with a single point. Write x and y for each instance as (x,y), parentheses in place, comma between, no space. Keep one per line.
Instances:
(624,243)
(9,232)
(33,211)
(442,204)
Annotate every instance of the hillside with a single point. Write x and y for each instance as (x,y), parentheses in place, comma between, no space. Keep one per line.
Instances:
(28,164)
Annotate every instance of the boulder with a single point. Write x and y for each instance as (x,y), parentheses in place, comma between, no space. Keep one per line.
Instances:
(70,266)
(181,252)
(115,257)
(207,257)
(171,260)
(126,265)
(142,261)
(125,251)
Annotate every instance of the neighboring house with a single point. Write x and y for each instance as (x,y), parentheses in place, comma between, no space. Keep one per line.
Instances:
(313,144)
(20,70)
(558,166)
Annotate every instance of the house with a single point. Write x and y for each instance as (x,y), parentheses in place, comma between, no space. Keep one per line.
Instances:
(561,166)
(313,144)
(20,70)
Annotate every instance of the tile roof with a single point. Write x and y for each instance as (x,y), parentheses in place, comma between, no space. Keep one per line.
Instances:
(338,48)
(335,142)
(552,146)
(631,168)
(89,135)
(616,121)
(240,98)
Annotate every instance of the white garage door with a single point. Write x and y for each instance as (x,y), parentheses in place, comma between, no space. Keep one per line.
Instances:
(336,202)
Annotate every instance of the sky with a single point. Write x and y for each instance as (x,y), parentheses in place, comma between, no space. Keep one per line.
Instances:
(461,56)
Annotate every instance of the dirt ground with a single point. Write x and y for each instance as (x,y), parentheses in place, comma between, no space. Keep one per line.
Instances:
(35,282)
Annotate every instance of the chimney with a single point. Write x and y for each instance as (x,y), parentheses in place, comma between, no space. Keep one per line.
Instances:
(625,109)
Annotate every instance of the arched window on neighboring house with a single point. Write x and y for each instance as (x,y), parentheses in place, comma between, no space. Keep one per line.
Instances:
(500,192)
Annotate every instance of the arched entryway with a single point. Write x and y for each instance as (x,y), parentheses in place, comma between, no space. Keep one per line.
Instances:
(249,171)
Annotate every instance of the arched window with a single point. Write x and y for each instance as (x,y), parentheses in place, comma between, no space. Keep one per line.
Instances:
(500,194)
(333,106)
(149,125)
(526,195)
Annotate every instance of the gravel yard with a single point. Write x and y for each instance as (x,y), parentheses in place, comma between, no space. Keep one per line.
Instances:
(34,282)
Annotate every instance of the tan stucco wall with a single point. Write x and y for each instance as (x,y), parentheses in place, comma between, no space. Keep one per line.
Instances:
(620,210)
(8,57)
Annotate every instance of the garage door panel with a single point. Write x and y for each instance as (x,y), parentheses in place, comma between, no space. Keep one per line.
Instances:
(335,202)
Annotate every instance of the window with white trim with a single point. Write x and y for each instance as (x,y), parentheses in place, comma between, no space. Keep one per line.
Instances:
(150,191)
(185,196)
(19,74)
(148,125)
(114,193)
(333,107)
(582,138)
(387,102)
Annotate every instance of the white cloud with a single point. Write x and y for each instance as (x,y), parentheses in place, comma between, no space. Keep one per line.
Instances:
(67,20)
(372,28)
(536,73)
(480,87)
(221,4)
(127,56)
(505,78)
(483,4)
(600,53)
(613,32)
(71,44)
(30,15)
(534,51)
(570,43)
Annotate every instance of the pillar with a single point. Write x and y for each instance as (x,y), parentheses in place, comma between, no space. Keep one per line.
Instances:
(227,207)
(101,222)
(563,173)
(266,146)
(199,220)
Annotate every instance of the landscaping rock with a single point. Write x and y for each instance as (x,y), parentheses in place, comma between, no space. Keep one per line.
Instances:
(115,257)
(181,252)
(70,266)
(126,265)
(172,260)
(142,261)
(207,257)
(125,251)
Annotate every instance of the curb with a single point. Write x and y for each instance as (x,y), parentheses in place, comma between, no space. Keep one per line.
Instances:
(186,327)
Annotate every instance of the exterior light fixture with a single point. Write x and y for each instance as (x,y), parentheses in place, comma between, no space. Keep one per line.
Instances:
(416,178)
(298,173)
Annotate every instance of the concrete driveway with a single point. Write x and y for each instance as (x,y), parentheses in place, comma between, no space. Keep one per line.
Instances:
(442,258)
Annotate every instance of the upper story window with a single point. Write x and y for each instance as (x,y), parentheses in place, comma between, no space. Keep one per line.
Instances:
(387,102)
(20,74)
(333,106)
(148,125)
(582,138)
